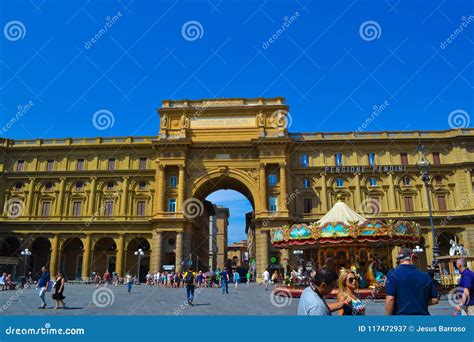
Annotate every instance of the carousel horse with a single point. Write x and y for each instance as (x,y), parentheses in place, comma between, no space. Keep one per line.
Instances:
(374,278)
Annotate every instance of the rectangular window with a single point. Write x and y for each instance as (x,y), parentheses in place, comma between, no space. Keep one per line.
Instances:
(142,186)
(339,182)
(304,160)
(272,179)
(406,181)
(48,187)
(143,163)
(338,158)
(18,186)
(109,208)
(172,205)
(272,201)
(141,208)
(46,209)
(404,158)
(80,165)
(79,186)
(307,205)
(371,157)
(50,165)
(436,159)
(438,180)
(173,181)
(76,208)
(373,181)
(441,202)
(111,165)
(307,183)
(20,165)
(409,203)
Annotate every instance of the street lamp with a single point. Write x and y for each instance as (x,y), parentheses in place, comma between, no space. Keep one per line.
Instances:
(424,166)
(26,253)
(139,255)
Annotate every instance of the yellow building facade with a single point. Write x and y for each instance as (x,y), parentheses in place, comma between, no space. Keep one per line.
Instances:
(87,204)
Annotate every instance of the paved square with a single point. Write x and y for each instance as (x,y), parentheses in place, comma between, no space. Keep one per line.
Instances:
(85,300)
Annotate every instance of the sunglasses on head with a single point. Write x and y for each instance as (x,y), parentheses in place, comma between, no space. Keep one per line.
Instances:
(351,280)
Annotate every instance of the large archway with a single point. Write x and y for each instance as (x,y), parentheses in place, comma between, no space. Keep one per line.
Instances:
(40,255)
(10,249)
(103,255)
(71,258)
(131,260)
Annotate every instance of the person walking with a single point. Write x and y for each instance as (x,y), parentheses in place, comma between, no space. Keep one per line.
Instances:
(248,276)
(58,291)
(236,279)
(129,281)
(275,279)
(189,281)
(225,281)
(466,282)
(43,283)
(312,302)
(409,291)
(106,278)
(348,289)
(266,278)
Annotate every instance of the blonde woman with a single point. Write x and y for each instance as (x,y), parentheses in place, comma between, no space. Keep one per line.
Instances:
(347,284)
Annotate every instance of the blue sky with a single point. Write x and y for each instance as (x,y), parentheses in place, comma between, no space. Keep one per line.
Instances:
(331,71)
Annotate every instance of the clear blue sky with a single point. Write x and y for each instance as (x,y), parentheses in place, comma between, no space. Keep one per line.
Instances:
(331,75)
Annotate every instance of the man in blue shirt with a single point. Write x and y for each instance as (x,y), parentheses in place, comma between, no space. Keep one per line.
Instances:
(42,285)
(466,304)
(225,281)
(409,291)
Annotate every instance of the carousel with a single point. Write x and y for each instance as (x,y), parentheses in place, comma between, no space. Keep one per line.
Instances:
(344,239)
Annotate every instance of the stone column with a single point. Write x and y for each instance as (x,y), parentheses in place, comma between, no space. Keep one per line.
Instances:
(124,198)
(391,193)
(262,240)
(357,194)
(263,187)
(59,207)
(86,257)
(283,192)
(179,251)
(53,262)
(29,198)
(156,258)
(324,194)
(91,209)
(159,188)
(119,255)
(181,185)
(469,187)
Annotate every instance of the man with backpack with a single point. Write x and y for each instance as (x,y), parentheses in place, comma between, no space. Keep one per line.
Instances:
(189,281)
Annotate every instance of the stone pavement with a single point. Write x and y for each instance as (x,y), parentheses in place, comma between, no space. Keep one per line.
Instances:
(85,300)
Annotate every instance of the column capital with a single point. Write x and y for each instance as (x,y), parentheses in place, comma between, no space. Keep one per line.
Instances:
(62,179)
(262,165)
(282,164)
(181,166)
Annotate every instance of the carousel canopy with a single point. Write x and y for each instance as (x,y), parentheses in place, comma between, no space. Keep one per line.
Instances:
(343,225)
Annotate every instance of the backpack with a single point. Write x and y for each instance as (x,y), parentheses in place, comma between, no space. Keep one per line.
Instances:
(189,279)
